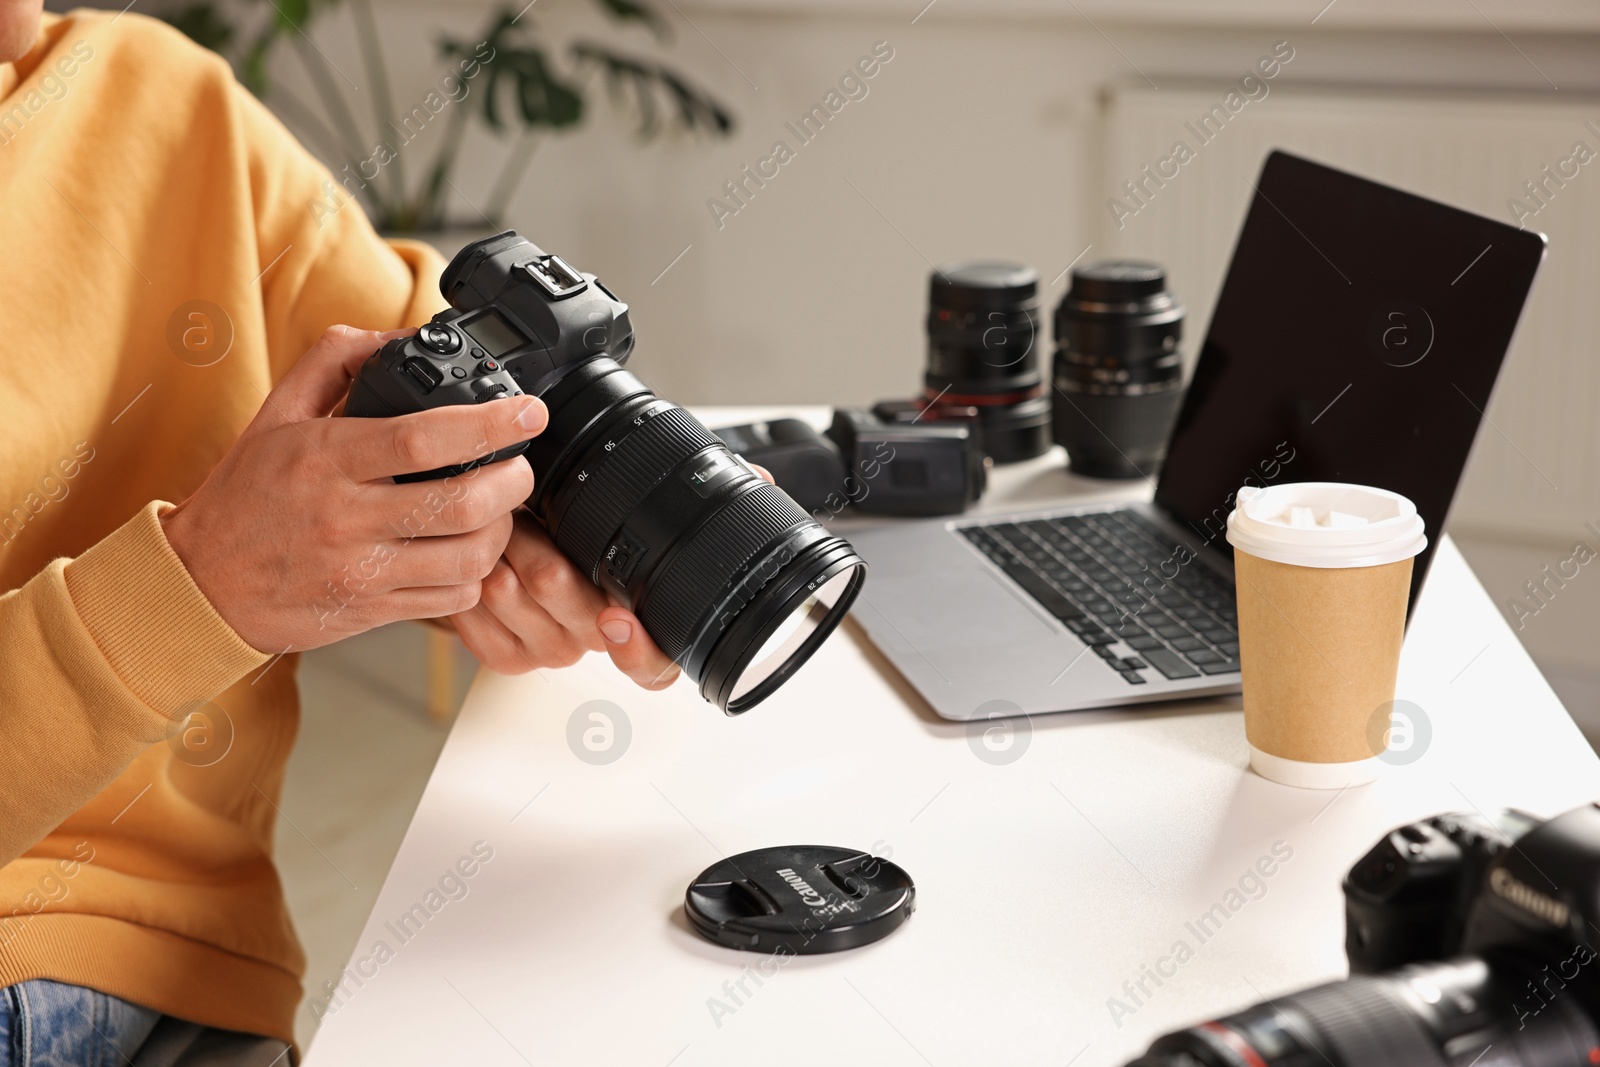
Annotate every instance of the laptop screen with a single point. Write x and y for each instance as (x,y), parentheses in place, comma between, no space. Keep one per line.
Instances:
(1357,337)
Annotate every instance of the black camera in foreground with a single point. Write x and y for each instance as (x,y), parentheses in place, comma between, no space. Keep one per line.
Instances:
(1470,942)
(733,580)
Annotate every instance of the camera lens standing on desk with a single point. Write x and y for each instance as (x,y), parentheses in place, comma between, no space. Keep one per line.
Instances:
(1118,373)
(983,353)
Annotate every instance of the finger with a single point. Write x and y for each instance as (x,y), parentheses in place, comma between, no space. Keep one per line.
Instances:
(759,469)
(488,639)
(428,440)
(445,507)
(321,379)
(431,561)
(632,650)
(553,582)
(429,602)
(543,638)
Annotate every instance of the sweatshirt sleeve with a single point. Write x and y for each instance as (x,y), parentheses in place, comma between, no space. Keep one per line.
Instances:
(323,262)
(104,655)
(119,644)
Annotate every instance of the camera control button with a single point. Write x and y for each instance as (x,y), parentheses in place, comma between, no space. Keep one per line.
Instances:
(424,373)
(458,372)
(438,338)
(491,392)
(488,366)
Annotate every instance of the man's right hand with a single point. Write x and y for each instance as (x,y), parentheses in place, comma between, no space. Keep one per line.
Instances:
(299,537)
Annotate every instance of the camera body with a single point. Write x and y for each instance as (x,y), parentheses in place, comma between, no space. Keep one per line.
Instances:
(1464,934)
(800,459)
(1408,900)
(733,580)
(435,367)
(501,337)
(872,460)
(564,317)
(909,467)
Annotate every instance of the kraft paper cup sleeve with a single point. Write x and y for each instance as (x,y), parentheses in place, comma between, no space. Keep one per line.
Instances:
(1322,596)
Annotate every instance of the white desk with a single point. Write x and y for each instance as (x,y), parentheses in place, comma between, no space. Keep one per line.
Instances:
(1043,885)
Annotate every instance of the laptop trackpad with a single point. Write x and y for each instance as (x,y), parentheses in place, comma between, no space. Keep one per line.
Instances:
(926,609)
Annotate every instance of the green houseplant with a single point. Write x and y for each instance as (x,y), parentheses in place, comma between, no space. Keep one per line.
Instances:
(514,79)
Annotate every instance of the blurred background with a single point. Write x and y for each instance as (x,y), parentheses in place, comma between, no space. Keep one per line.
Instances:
(610,130)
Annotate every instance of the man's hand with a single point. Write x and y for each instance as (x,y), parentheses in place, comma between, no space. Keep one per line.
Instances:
(539,611)
(299,537)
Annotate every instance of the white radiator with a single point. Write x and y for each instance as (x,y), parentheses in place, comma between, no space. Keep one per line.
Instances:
(1535,473)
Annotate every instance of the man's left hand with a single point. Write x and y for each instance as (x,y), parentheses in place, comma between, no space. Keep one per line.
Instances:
(538,610)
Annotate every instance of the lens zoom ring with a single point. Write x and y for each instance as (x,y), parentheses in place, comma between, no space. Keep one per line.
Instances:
(703,568)
(640,461)
(1364,1023)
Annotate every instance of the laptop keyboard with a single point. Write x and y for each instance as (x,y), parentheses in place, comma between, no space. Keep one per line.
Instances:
(1178,619)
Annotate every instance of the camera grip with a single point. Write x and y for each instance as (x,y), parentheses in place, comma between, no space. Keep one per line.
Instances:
(406,376)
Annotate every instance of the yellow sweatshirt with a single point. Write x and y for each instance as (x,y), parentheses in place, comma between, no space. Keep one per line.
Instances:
(166,253)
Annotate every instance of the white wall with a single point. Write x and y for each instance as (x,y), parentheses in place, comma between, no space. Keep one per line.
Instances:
(981,137)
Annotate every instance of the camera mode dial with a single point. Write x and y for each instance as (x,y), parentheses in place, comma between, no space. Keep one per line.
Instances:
(437,338)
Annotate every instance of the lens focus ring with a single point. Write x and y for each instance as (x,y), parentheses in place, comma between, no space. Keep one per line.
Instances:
(1363,1021)
(716,554)
(638,463)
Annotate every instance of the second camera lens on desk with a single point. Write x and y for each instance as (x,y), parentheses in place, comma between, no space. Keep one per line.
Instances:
(1118,372)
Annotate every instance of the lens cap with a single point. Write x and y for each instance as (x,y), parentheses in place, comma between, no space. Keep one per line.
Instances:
(1117,281)
(982,285)
(801,899)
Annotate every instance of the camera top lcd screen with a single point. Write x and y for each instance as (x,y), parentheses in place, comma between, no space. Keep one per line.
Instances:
(493,334)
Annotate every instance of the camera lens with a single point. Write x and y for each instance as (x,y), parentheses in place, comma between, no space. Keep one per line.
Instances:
(1118,373)
(734,581)
(1426,1015)
(983,325)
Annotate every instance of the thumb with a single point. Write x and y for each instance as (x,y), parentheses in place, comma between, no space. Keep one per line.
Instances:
(319,382)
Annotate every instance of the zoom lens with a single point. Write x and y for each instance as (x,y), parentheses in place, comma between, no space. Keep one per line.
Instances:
(1118,372)
(983,353)
(1449,1014)
(734,581)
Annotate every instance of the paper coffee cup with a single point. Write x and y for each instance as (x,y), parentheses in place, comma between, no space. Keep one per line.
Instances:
(1323,574)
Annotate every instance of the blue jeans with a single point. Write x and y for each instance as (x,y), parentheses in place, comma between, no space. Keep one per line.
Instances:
(48,1024)
(51,1024)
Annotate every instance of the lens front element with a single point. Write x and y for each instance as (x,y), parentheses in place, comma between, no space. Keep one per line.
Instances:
(732,579)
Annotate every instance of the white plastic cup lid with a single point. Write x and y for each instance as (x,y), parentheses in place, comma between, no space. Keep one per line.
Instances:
(1325,524)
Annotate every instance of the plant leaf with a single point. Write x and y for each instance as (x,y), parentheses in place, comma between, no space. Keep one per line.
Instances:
(293,14)
(253,66)
(637,11)
(695,109)
(203,24)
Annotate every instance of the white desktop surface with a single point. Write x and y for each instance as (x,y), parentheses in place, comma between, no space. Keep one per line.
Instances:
(1043,885)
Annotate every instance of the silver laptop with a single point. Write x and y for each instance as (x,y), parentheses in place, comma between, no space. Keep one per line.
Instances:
(1096,606)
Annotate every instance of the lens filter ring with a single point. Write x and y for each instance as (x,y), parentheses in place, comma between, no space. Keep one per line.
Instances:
(709,560)
(742,668)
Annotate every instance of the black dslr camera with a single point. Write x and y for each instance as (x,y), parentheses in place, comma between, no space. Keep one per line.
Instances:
(1470,942)
(733,580)
(872,460)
